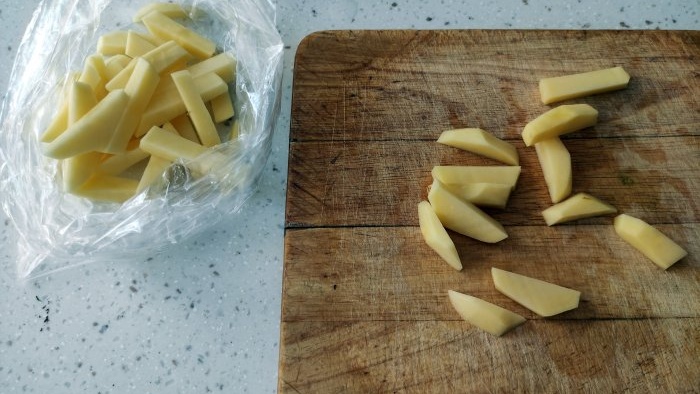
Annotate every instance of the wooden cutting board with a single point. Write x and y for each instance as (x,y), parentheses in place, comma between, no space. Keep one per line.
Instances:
(365,307)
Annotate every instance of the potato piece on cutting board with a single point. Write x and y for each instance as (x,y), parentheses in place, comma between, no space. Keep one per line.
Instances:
(485,315)
(482,143)
(584,84)
(560,120)
(580,206)
(543,298)
(435,235)
(650,241)
(464,217)
(555,162)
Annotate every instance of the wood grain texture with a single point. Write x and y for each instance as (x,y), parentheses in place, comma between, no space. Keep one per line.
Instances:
(384,273)
(380,183)
(543,356)
(364,305)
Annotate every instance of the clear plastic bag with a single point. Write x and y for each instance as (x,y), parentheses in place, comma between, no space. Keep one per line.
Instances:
(58,230)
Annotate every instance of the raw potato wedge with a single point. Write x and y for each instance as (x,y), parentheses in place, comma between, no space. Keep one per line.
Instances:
(171,10)
(580,206)
(506,175)
(482,143)
(91,132)
(436,237)
(482,194)
(140,88)
(555,162)
(154,169)
(543,298)
(464,217)
(485,315)
(560,120)
(167,29)
(650,241)
(583,84)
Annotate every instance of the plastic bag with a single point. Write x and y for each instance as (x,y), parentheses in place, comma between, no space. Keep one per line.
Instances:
(58,230)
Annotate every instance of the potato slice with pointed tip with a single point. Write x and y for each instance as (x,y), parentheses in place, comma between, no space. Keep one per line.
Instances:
(543,298)
(560,120)
(576,207)
(507,175)
(584,84)
(555,162)
(650,241)
(485,315)
(167,29)
(482,143)
(464,217)
(435,235)
(91,132)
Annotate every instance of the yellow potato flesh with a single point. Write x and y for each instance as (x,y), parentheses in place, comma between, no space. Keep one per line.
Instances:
(435,235)
(482,143)
(650,241)
(583,84)
(560,120)
(580,206)
(555,162)
(485,315)
(464,217)
(543,298)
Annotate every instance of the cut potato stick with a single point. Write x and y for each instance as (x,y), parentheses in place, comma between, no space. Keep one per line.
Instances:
(560,120)
(203,124)
(141,85)
(223,65)
(484,315)
(91,132)
(583,84)
(482,143)
(436,236)
(647,239)
(555,162)
(580,206)
(76,170)
(464,217)
(167,29)
(170,146)
(544,298)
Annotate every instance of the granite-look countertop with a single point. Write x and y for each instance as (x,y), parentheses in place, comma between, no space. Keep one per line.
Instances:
(204,316)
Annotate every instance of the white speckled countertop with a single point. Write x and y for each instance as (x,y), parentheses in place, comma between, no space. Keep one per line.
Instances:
(204,317)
